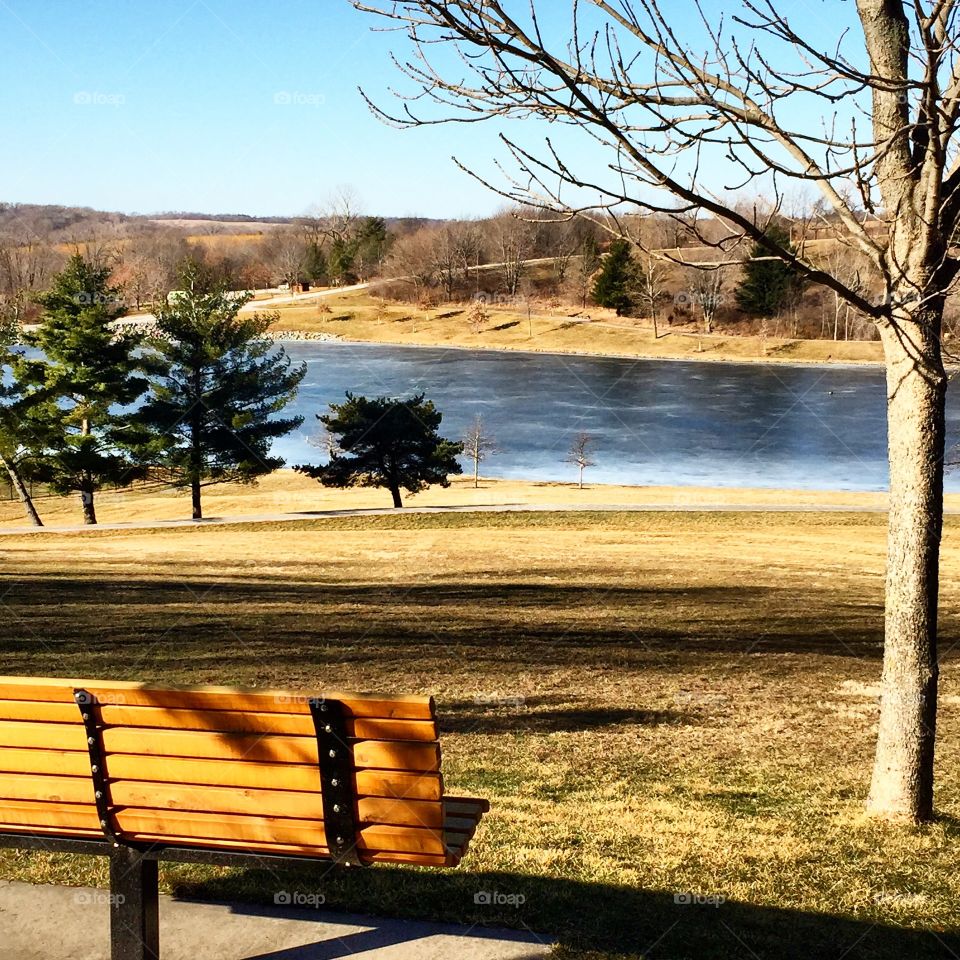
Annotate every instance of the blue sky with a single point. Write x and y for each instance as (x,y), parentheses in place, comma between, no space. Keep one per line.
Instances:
(227,106)
(213,105)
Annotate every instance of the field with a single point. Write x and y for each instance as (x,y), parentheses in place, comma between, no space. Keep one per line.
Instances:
(362,316)
(656,704)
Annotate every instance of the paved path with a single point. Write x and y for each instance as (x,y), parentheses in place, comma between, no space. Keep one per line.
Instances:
(72,923)
(466,508)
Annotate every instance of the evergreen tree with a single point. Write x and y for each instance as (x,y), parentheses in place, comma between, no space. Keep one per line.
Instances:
(389,443)
(26,423)
(373,241)
(214,410)
(616,283)
(87,380)
(768,285)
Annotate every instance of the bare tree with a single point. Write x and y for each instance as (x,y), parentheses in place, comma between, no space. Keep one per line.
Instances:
(478,444)
(728,99)
(581,454)
(651,286)
(287,254)
(707,287)
(512,236)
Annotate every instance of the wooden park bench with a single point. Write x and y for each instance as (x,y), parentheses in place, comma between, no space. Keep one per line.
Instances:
(220,775)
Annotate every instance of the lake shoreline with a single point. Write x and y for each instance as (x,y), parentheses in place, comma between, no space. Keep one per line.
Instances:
(305,336)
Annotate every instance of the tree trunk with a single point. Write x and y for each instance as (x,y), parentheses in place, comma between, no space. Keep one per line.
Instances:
(476,472)
(89,511)
(902,785)
(21,489)
(395,490)
(195,493)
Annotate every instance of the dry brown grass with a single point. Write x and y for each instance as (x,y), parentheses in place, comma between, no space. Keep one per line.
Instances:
(361,316)
(654,703)
(288,492)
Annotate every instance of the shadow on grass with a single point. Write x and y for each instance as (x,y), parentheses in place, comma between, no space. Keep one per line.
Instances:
(595,919)
(540,623)
(489,715)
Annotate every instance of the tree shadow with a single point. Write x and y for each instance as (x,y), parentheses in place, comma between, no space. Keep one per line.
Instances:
(493,714)
(600,919)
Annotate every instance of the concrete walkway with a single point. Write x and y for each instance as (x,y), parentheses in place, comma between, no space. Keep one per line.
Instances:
(72,923)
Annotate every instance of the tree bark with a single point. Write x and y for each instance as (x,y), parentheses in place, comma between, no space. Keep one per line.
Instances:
(89,511)
(902,784)
(196,497)
(21,489)
(395,490)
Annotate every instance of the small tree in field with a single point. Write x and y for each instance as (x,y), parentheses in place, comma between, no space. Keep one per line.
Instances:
(384,442)
(589,264)
(477,446)
(214,410)
(615,286)
(581,454)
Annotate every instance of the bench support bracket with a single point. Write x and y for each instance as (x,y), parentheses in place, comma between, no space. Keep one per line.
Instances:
(89,713)
(336,780)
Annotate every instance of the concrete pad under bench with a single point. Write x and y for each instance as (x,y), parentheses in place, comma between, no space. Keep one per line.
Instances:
(48,922)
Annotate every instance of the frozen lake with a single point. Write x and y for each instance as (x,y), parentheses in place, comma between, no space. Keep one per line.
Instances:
(654,421)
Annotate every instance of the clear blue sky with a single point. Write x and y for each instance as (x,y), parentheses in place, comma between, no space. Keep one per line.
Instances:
(229,106)
(213,105)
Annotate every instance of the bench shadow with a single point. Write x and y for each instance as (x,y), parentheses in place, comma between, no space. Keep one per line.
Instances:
(602,920)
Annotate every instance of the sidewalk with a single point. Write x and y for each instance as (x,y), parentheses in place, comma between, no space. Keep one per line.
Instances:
(72,923)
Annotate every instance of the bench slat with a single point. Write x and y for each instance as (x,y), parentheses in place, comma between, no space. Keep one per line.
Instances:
(175,826)
(226,773)
(216,720)
(375,754)
(273,803)
(129,694)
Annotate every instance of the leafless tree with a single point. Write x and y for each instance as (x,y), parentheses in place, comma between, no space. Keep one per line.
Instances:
(478,444)
(707,290)
(512,237)
(287,255)
(581,454)
(477,315)
(725,99)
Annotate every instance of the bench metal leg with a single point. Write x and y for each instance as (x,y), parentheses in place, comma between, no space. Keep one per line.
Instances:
(134,906)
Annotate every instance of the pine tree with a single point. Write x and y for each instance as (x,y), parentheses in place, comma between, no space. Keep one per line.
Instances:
(386,442)
(88,376)
(616,283)
(768,285)
(213,412)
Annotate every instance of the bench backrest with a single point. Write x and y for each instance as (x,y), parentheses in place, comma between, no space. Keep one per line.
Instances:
(219,767)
